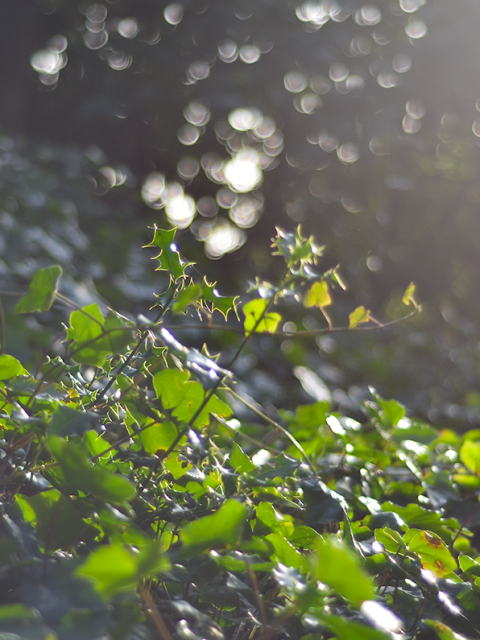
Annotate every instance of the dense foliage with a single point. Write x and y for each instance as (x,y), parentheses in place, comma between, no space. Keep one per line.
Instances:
(148,494)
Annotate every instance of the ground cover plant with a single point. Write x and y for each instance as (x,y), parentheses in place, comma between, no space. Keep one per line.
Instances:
(147,494)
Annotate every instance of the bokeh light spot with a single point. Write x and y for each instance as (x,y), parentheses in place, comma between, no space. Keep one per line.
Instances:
(173,14)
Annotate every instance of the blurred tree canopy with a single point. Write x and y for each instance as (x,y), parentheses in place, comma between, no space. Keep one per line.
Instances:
(358,120)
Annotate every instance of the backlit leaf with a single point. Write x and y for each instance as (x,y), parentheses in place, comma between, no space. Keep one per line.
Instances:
(338,566)
(470,455)
(433,552)
(255,312)
(171,260)
(318,295)
(10,367)
(42,291)
(408,296)
(224,304)
(357,317)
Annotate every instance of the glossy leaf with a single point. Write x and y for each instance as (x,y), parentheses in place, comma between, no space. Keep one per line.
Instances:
(256,317)
(10,367)
(433,552)
(169,258)
(239,460)
(215,301)
(339,567)
(42,291)
(470,455)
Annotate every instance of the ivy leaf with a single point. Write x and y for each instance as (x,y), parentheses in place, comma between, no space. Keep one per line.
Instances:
(338,566)
(358,316)
(209,532)
(254,310)
(470,455)
(81,475)
(433,552)
(224,304)
(171,260)
(120,332)
(318,295)
(87,328)
(42,291)
(408,296)
(10,367)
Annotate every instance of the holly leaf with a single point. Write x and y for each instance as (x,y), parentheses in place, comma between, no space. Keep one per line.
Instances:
(171,260)
(255,312)
(318,295)
(224,304)
(358,316)
(42,291)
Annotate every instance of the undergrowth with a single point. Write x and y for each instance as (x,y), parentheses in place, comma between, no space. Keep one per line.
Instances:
(139,501)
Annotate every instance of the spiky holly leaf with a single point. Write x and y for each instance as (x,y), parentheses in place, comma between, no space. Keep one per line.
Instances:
(171,260)
(358,316)
(318,295)
(224,304)
(295,249)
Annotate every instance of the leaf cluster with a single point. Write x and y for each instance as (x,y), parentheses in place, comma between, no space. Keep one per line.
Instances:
(139,501)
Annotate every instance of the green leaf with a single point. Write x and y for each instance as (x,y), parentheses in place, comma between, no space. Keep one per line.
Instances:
(222,528)
(408,296)
(121,332)
(318,295)
(58,524)
(285,553)
(18,611)
(185,298)
(433,552)
(224,304)
(71,422)
(111,568)
(347,630)
(391,539)
(239,460)
(42,291)
(81,475)
(295,249)
(171,259)
(10,367)
(442,631)
(357,317)
(87,328)
(169,385)
(158,437)
(470,455)
(339,567)
(255,312)
(394,411)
